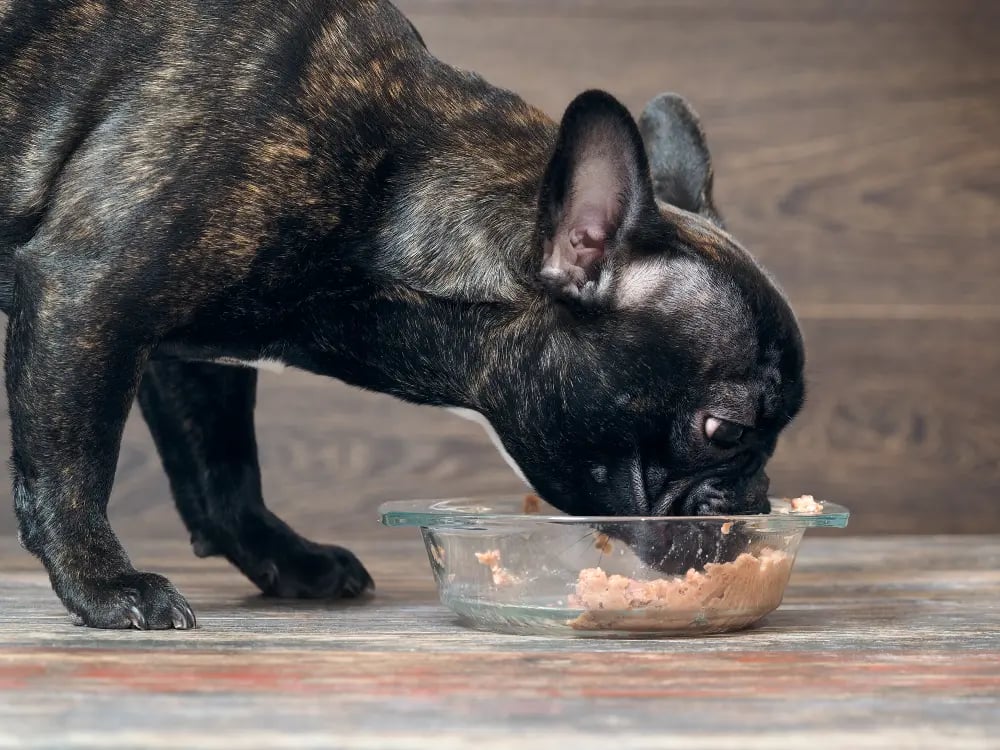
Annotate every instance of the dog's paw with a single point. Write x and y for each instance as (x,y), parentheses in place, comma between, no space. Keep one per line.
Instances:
(304,570)
(145,601)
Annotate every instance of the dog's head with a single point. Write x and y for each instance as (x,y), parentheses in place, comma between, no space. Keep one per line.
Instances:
(664,362)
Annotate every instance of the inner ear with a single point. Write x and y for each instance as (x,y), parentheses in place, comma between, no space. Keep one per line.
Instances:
(679,159)
(596,188)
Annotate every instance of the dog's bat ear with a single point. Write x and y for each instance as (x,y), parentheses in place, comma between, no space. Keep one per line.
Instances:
(678,155)
(596,190)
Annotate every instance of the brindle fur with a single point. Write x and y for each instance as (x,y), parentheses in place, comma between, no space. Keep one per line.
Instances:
(186,181)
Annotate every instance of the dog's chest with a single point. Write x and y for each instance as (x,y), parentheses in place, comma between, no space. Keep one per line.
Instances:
(266,365)
(474,416)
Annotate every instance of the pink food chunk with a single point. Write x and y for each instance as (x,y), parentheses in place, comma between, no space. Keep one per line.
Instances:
(806,504)
(747,587)
(501,576)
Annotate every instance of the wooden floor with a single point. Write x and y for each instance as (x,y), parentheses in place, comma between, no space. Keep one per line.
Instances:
(879,644)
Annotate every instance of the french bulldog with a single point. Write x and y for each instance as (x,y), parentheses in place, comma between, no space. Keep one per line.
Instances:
(189,188)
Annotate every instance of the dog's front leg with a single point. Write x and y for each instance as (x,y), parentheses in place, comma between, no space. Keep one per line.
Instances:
(73,362)
(201,417)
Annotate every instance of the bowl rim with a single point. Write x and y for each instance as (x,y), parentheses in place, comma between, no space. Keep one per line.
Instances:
(445,512)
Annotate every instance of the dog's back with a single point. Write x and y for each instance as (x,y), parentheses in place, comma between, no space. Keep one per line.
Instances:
(127,107)
(203,122)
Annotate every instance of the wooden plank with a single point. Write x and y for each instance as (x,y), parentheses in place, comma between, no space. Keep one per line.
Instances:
(879,643)
(902,424)
(762,10)
(853,142)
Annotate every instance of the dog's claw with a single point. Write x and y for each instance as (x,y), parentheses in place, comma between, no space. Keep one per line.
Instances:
(269,576)
(353,587)
(136,617)
(359,586)
(183,618)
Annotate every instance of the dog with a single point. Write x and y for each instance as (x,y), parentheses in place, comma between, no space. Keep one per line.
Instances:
(192,190)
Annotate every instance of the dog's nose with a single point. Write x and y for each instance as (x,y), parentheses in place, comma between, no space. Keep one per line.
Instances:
(720,496)
(705,498)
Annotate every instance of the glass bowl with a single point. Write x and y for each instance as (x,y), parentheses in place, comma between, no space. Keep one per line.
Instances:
(503,569)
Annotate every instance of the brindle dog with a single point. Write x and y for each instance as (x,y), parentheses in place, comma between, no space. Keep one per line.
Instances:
(188,186)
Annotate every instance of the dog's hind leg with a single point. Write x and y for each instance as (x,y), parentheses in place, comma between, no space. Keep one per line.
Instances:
(201,418)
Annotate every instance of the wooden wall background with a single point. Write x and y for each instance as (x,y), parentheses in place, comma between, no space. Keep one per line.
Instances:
(857,152)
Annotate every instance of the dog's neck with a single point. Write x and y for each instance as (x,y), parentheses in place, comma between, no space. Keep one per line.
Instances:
(430,349)
(458,260)
(455,255)
(462,222)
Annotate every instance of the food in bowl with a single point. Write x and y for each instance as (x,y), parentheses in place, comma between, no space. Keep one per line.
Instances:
(805,504)
(501,576)
(747,583)
(801,504)
(499,568)
(603,543)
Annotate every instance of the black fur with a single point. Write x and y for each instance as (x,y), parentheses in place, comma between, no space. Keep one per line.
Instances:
(188,182)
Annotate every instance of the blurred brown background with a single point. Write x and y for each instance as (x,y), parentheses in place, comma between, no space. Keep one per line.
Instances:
(857,150)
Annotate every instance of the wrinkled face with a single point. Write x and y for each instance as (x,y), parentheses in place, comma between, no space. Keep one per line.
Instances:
(668,362)
(668,410)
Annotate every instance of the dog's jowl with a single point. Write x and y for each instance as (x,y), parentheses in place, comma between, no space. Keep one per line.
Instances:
(189,186)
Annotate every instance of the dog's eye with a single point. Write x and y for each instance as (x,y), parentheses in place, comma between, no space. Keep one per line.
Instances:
(724,433)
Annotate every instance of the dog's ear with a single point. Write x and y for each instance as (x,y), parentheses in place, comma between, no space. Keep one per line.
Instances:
(596,190)
(678,155)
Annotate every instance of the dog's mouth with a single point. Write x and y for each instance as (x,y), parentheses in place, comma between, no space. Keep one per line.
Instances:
(740,489)
(675,548)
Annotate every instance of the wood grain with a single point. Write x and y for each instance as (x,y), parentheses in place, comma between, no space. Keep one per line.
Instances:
(901,423)
(856,154)
(853,141)
(878,644)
